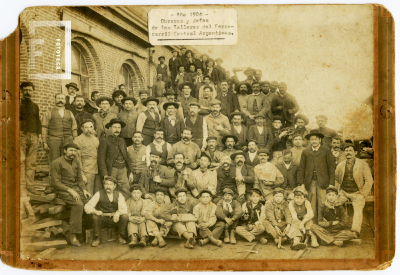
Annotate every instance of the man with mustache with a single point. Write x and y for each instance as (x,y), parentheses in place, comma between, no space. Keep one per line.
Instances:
(218,124)
(249,73)
(171,124)
(30,136)
(138,154)
(261,133)
(181,78)
(336,152)
(159,87)
(79,112)
(229,141)
(269,96)
(213,153)
(182,174)
(239,130)
(207,83)
(327,132)
(58,128)
(198,125)
(128,115)
(297,148)
(354,180)
(198,81)
(72,89)
(170,96)
(265,87)
(205,102)
(186,99)
(229,100)
(143,95)
(189,149)
(255,105)
(242,92)
(301,121)
(203,178)
(284,105)
(160,145)
(154,177)
(113,158)
(117,96)
(149,120)
(252,155)
(274,86)
(103,117)
(289,170)
(90,105)
(162,69)
(66,178)
(173,64)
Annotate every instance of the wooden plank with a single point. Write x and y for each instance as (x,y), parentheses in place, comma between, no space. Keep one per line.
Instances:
(59,201)
(27,222)
(45,255)
(46,245)
(56,209)
(36,234)
(65,227)
(29,209)
(54,230)
(22,199)
(45,207)
(48,219)
(46,198)
(44,225)
(22,214)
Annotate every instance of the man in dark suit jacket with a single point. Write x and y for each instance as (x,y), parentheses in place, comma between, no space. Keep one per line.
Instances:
(289,171)
(69,99)
(265,139)
(316,171)
(220,70)
(173,64)
(251,157)
(229,100)
(113,158)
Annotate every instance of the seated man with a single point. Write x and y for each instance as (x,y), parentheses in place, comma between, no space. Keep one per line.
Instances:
(203,178)
(354,181)
(213,153)
(182,174)
(183,226)
(261,133)
(108,209)
(158,218)
(244,176)
(137,222)
(204,212)
(277,218)
(160,145)
(333,224)
(228,215)
(251,226)
(66,178)
(302,215)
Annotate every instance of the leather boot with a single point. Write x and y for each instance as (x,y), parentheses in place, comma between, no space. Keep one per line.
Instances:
(314,241)
(143,241)
(338,243)
(215,241)
(73,240)
(204,241)
(96,242)
(188,245)
(233,239)
(121,240)
(134,240)
(227,239)
(154,242)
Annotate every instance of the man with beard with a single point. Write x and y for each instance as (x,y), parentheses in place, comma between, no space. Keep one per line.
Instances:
(297,148)
(189,149)
(103,117)
(265,87)
(229,141)
(255,105)
(181,78)
(261,133)
(171,124)
(58,128)
(162,69)
(267,176)
(128,115)
(138,154)
(90,105)
(284,105)
(173,64)
(289,170)
(213,153)
(336,152)
(72,89)
(316,171)
(159,87)
(218,124)
(154,177)
(301,121)
(203,178)
(113,158)
(186,99)
(242,92)
(327,132)
(66,178)
(159,145)
(171,96)
(207,83)
(239,130)
(87,155)
(143,95)
(198,81)
(79,112)
(251,157)
(30,138)
(149,120)
(198,125)
(108,209)
(117,96)
(229,100)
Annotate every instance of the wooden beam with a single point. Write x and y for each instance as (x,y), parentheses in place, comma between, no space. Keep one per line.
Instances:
(45,225)
(56,209)
(36,234)
(46,198)
(45,245)
(44,255)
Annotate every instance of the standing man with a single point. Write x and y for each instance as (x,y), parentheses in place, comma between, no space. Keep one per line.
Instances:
(198,81)
(354,180)
(159,87)
(289,169)
(143,95)
(251,157)
(173,64)
(205,102)
(58,128)
(213,153)
(31,136)
(117,96)
(170,96)
(207,83)
(218,124)
(269,95)
(336,152)
(103,117)
(181,78)
(212,72)
(239,130)
(258,75)
(249,73)
(149,120)
(87,155)
(255,105)
(172,125)
(274,87)
(129,115)
(301,121)
(113,158)
(316,171)
(66,178)
(261,133)
(72,89)
(327,132)
(189,149)
(159,145)
(137,153)
(79,112)
(186,99)
(90,105)
(285,106)
(198,125)
(242,93)
(229,101)
(265,87)
(162,69)
(220,70)
(297,148)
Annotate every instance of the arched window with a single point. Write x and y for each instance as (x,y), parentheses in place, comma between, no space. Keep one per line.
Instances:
(126,76)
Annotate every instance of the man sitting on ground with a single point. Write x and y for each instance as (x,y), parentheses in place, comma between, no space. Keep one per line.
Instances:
(137,221)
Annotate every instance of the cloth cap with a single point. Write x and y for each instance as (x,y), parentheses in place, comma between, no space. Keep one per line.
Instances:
(228,191)
(258,191)
(300,189)
(180,190)
(205,191)
(135,187)
(71,145)
(278,190)
(331,189)
(263,151)
(112,179)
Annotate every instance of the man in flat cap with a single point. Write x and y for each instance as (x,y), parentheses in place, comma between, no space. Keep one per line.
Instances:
(188,148)
(162,69)
(261,133)
(354,181)
(108,209)
(300,122)
(229,141)
(203,178)
(149,120)
(198,124)
(173,64)
(72,89)
(172,125)
(68,184)
(285,105)
(117,96)
(327,132)
(103,117)
(316,171)
(182,77)
(113,158)
(255,105)
(229,101)
(170,96)
(218,124)
(129,115)
(159,87)
(186,99)
(212,152)
(239,130)
(280,135)
(251,157)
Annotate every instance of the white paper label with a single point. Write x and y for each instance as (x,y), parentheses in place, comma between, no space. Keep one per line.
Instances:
(193,26)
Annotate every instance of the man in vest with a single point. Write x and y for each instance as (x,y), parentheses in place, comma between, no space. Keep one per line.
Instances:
(58,128)
(189,149)
(72,89)
(186,99)
(159,145)
(108,209)
(337,153)
(143,95)
(229,100)
(171,124)
(129,115)
(218,124)
(256,104)
(239,130)
(113,158)
(137,154)
(103,117)
(149,120)
(170,96)
(159,87)
(261,133)
(251,157)
(198,125)
(79,112)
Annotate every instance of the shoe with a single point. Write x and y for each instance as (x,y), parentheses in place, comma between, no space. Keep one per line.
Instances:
(134,241)
(188,245)
(297,245)
(215,241)
(32,190)
(96,242)
(233,239)
(192,241)
(314,241)
(73,240)
(143,241)
(227,239)
(154,242)
(204,241)
(121,240)
(338,243)
(356,241)
(263,241)
(162,243)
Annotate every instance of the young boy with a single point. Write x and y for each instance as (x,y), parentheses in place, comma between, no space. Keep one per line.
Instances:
(204,212)
(333,224)
(302,213)
(137,221)
(252,210)
(277,217)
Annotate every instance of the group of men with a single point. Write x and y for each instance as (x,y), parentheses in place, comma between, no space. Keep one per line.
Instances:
(221,157)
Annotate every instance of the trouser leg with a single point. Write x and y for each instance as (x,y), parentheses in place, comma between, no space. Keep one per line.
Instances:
(98,185)
(122,224)
(147,139)
(322,233)
(358,202)
(122,181)
(243,232)
(142,229)
(258,230)
(218,229)
(22,158)
(90,182)
(270,229)
(204,233)
(344,235)
(312,198)
(55,146)
(133,228)
(321,193)
(97,224)
(30,161)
